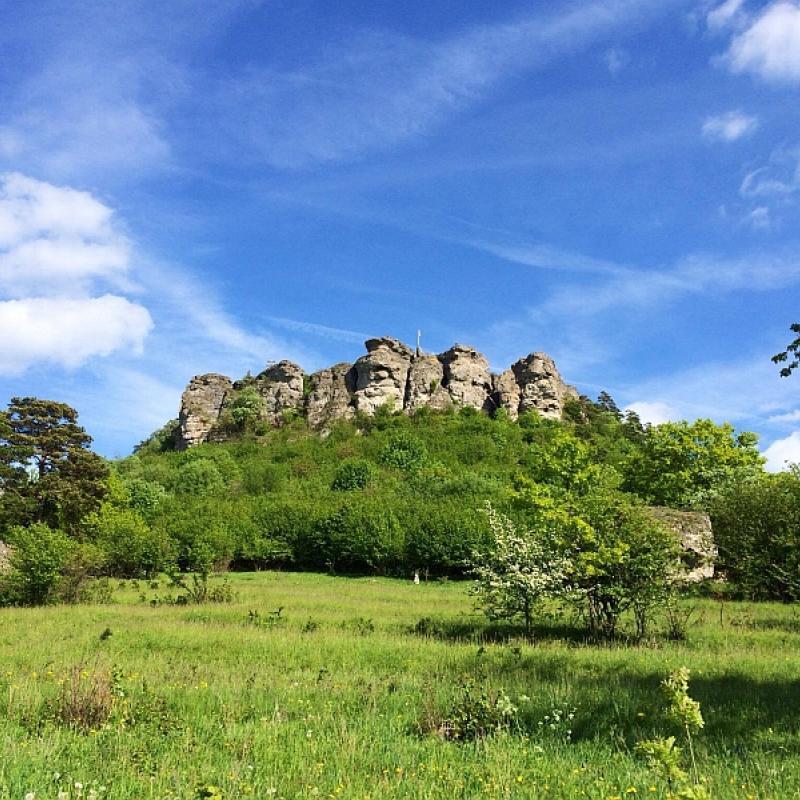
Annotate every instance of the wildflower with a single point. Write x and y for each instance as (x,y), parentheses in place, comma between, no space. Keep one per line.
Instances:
(30,796)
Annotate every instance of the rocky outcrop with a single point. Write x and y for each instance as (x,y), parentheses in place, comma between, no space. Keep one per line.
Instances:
(533,384)
(426,384)
(390,373)
(201,405)
(281,386)
(330,395)
(467,377)
(697,540)
(382,374)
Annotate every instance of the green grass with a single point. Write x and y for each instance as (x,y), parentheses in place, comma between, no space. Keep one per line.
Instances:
(332,709)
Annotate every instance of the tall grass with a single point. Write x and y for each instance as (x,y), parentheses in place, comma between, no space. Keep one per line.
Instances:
(325,699)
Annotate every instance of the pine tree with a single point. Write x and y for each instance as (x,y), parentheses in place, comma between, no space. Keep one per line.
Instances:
(47,470)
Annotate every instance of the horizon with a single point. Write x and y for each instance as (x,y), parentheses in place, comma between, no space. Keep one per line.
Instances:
(615,184)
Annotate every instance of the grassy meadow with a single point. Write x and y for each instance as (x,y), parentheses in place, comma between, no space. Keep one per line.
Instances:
(337,696)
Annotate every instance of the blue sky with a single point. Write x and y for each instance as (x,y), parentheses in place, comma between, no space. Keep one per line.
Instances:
(188,190)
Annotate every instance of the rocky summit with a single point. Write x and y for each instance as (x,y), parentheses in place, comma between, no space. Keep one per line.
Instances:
(390,373)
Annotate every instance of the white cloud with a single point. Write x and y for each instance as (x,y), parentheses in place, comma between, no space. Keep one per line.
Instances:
(724,14)
(67,331)
(58,250)
(654,412)
(744,392)
(770,46)
(730,126)
(783,452)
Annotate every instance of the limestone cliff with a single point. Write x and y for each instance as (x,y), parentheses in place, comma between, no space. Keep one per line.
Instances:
(389,373)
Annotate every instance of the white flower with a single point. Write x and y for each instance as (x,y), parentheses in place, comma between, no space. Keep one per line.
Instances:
(30,796)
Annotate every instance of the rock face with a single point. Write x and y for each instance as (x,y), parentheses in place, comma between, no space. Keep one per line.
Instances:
(382,374)
(389,373)
(697,540)
(533,384)
(467,377)
(330,395)
(426,384)
(281,386)
(201,405)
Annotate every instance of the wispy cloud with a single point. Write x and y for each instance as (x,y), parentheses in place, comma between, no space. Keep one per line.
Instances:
(780,177)
(382,89)
(730,126)
(789,417)
(725,14)
(322,331)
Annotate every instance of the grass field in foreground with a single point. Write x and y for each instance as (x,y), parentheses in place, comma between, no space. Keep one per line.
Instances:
(326,702)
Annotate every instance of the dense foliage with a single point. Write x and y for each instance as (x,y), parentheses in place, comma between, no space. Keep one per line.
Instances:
(393,494)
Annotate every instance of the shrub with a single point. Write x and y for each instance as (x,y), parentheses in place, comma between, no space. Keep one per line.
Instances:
(363,534)
(132,549)
(38,556)
(199,477)
(476,713)
(517,571)
(352,475)
(404,451)
(246,408)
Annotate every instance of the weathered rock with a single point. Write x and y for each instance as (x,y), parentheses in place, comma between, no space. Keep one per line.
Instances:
(5,554)
(533,384)
(467,377)
(382,375)
(505,392)
(281,386)
(697,540)
(201,404)
(330,395)
(389,373)
(425,384)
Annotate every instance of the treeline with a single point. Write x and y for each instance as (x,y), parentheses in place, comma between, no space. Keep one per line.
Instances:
(386,494)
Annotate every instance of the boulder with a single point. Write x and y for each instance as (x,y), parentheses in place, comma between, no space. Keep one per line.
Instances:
(697,540)
(467,377)
(330,395)
(201,404)
(382,374)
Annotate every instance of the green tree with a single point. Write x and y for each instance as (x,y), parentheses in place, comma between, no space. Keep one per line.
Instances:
(791,355)
(757,530)
(682,464)
(48,472)
(622,559)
